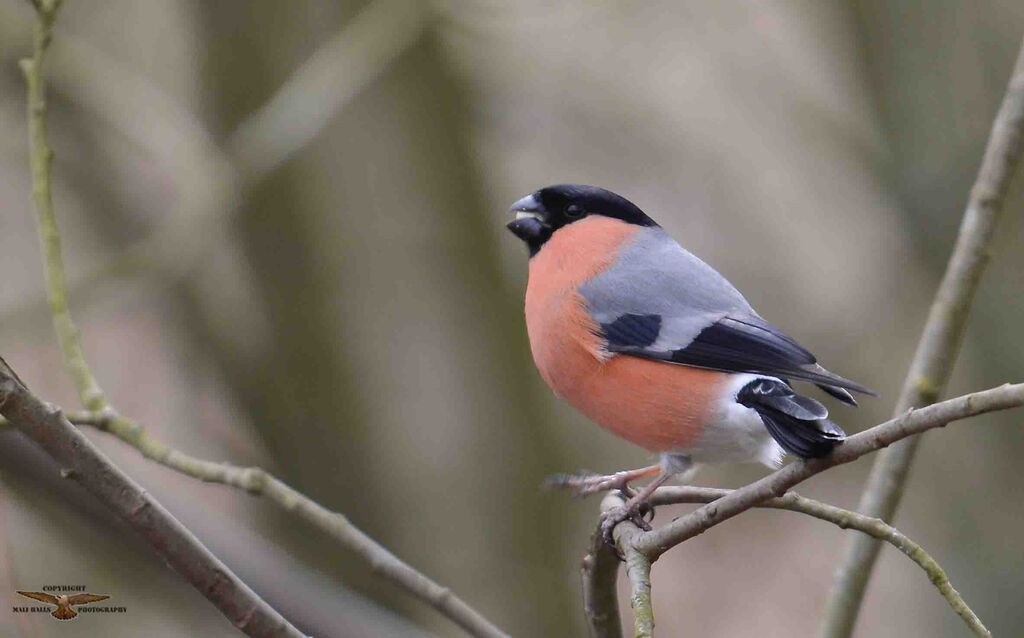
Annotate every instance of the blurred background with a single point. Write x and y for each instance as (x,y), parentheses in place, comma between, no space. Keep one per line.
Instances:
(283,224)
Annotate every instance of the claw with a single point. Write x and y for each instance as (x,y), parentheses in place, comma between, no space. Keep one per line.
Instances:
(647,513)
(626,492)
(635,513)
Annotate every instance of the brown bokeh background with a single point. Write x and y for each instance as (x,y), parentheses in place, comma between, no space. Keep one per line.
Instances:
(351,318)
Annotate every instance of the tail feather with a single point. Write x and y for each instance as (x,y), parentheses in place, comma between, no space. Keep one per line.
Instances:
(791,404)
(799,424)
(63,613)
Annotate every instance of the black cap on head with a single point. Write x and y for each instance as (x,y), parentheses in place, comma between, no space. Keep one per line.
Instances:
(540,214)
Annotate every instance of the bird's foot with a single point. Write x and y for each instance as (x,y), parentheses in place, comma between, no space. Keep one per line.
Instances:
(586,483)
(635,510)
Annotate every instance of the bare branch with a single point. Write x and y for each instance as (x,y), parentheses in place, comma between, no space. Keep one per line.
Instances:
(209,177)
(600,566)
(846,519)
(63,442)
(929,373)
(257,481)
(937,349)
(657,541)
(315,92)
(84,463)
(772,489)
(103,416)
(598,574)
(42,160)
(638,569)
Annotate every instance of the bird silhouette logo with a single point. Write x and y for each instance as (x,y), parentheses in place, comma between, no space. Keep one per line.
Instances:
(65,604)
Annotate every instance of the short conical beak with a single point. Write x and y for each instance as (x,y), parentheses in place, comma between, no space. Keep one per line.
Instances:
(526,206)
(530,222)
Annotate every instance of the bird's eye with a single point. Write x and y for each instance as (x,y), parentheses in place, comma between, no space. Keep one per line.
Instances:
(573,210)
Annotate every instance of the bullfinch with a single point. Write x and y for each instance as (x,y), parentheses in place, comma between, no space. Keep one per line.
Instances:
(653,344)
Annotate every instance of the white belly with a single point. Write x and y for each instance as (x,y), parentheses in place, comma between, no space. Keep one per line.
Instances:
(735,434)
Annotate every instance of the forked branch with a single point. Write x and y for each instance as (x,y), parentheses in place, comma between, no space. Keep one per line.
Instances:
(84,463)
(771,490)
(937,348)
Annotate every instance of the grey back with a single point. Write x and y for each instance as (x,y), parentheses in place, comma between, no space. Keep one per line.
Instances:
(654,275)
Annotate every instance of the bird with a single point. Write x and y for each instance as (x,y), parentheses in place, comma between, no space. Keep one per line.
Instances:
(64,610)
(656,346)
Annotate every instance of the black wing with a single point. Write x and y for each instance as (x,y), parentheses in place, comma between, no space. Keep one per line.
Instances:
(731,344)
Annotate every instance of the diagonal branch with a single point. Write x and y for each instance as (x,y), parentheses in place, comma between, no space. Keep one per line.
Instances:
(317,90)
(48,427)
(845,519)
(210,176)
(84,463)
(257,481)
(771,490)
(658,541)
(937,348)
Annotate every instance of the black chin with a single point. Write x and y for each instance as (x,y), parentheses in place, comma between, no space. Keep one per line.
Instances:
(531,231)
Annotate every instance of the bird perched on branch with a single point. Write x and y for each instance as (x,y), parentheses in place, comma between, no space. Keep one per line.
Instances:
(656,346)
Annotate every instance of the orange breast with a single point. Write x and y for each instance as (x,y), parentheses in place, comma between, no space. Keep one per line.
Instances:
(656,405)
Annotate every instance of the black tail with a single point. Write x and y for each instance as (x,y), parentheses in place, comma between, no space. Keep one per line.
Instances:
(798,423)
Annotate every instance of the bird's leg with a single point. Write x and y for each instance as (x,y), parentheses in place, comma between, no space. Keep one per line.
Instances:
(633,510)
(583,484)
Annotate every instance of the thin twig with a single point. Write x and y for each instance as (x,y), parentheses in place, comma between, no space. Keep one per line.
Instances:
(937,349)
(49,237)
(47,427)
(845,519)
(657,541)
(601,565)
(316,91)
(102,415)
(654,543)
(83,462)
(257,481)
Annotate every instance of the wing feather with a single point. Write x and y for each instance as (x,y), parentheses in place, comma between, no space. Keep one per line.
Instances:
(660,302)
(81,599)
(40,596)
